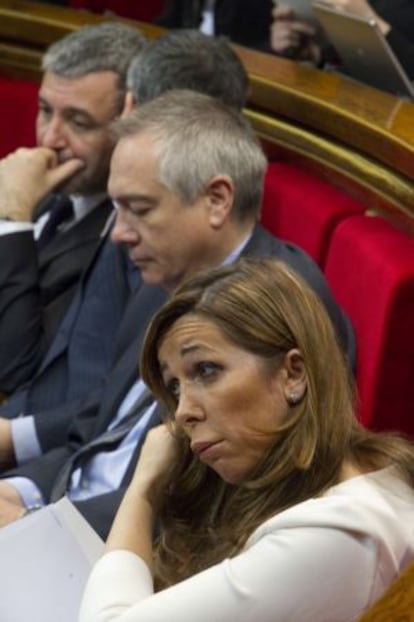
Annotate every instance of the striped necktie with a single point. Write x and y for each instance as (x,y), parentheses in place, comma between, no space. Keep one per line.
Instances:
(107,441)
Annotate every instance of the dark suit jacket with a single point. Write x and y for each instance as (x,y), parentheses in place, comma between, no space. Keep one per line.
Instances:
(94,418)
(82,351)
(246,22)
(36,289)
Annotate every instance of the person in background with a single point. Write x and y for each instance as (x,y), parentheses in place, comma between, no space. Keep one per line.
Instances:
(297,37)
(301,38)
(270,501)
(266,26)
(246,22)
(45,246)
(187,59)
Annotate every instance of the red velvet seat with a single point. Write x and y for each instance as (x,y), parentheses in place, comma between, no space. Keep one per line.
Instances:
(303,209)
(140,10)
(370,267)
(18,109)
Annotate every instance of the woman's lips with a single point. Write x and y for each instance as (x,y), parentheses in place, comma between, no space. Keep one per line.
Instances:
(202,448)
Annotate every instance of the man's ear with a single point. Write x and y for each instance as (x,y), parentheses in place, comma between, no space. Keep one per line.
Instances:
(295,378)
(129,103)
(220,195)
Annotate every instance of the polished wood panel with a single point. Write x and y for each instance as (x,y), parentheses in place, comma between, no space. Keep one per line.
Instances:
(359,138)
(27,28)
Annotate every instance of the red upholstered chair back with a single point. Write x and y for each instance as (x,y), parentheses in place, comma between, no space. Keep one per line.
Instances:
(370,267)
(140,10)
(18,109)
(303,209)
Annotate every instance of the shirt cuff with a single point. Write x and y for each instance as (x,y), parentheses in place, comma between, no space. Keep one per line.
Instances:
(10,226)
(28,491)
(25,441)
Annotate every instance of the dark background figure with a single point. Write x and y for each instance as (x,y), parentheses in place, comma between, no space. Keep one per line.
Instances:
(246,22)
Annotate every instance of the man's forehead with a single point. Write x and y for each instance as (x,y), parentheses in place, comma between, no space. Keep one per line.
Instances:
(141,146)
(92,86)
(94,93)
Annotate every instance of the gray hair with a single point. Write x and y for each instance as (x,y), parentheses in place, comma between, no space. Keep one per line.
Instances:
(108,46)
(189,59)
(199,137)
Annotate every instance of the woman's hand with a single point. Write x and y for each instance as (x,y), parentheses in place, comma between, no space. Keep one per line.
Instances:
(153,471)
(134,522)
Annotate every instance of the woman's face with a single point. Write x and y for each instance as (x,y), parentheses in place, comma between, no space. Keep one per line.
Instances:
(228,401)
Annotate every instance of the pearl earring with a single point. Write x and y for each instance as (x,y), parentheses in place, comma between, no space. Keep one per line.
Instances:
(294,398)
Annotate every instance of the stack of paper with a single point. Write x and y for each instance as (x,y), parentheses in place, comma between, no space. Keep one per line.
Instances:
(45,560)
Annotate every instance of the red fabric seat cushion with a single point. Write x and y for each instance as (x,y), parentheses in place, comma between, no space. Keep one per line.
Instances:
(140,10)
(370,268)
(303,209)
(18,110)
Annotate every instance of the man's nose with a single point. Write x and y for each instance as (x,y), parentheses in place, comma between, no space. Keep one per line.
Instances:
(123,232)
(53,135)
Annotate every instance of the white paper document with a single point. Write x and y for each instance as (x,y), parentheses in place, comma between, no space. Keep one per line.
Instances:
(45,560)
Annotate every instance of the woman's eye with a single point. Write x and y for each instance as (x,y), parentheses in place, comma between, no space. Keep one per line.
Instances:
(207,369)
(173,388)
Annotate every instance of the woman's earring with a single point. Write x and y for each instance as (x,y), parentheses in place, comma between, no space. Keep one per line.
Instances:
(294,398)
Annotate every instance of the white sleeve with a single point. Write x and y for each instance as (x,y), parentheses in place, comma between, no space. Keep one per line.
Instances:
(10,226)
(25,441)
(307,574)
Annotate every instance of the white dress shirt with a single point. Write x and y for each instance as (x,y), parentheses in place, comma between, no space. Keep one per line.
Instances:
(81,208)
(207,17)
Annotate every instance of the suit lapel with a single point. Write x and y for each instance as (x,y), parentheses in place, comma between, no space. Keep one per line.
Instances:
(261,244)
(155,420)
(82,233)
(146,301)
(107,259)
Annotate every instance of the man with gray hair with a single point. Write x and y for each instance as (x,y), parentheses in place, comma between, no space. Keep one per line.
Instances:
(46,245)
(186,178)
(187,59)
(76,361)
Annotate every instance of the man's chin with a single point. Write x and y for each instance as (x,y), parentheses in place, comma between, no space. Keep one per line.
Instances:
(148,274)
(80,186)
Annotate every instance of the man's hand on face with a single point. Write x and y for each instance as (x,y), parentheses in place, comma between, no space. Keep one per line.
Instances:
(27,176)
